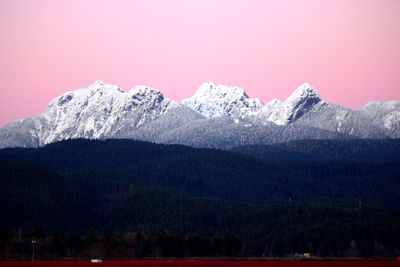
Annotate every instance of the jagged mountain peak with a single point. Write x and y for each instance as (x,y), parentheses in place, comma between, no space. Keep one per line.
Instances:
(101,92)
(100,85)
(95,92)
(301,101)
(144,95)
(274,102)
(302,93)
(209,89)
(100,110)
(97,83)
(144,90)
(297,104)
(217,101)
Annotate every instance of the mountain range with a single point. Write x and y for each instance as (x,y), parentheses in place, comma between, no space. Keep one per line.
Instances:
(214,117)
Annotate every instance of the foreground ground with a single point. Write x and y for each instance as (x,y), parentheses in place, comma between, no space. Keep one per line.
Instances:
(208,263)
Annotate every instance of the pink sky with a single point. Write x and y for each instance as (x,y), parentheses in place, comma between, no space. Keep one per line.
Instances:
(348,49)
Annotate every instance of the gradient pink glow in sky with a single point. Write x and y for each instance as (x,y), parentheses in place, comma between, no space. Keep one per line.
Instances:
(348,49)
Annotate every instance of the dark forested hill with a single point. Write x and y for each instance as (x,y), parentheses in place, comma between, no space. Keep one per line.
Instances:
(371,150)
(117,165)
(128,185)
(30,191)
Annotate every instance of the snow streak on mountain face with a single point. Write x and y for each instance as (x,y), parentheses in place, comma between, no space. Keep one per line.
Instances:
(216,116)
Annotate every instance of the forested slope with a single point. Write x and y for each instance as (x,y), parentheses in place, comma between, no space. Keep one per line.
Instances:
(274,207)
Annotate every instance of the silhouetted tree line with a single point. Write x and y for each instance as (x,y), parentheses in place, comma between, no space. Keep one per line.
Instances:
(110,244)
(274,231)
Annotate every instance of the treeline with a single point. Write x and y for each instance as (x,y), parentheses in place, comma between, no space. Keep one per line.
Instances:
(121,245)
(263,231)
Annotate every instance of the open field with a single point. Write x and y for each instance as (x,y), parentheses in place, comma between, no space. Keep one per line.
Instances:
(207,263)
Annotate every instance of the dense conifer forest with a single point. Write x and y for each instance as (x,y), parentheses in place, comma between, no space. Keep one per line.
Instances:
(124,198)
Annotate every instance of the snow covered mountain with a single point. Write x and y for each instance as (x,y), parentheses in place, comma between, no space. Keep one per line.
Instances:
(386,114)
(218,101)
(305,107)
(216,116)
(302,109)
(300,102)
(101,110)
(97,112)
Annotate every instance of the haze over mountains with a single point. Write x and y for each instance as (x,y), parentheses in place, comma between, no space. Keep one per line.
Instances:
(216,116)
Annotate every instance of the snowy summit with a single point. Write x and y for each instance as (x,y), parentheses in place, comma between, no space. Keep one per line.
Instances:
(217,101)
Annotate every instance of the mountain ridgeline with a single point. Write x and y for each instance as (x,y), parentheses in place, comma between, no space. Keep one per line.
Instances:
(275,207)
(215,117)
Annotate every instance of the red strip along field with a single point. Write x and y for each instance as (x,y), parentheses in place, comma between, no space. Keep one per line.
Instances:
(204,263)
